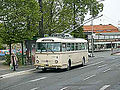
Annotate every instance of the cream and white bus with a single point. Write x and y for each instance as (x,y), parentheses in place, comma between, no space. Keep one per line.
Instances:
(53,52)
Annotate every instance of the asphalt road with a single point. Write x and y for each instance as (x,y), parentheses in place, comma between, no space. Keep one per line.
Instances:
(102,72)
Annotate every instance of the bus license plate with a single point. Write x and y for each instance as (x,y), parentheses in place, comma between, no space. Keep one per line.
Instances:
(47,65)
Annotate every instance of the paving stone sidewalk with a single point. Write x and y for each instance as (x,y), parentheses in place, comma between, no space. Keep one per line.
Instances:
(5,69)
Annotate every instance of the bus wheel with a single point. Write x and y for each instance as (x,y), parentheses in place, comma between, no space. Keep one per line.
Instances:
(83,61)
(44,69)
(69,65)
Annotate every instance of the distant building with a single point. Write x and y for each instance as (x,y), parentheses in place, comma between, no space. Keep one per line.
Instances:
(106,37)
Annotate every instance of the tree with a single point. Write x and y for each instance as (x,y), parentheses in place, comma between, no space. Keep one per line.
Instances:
(20,20)
(61,15)
(82,7)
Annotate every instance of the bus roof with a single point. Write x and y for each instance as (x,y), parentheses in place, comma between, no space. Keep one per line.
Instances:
(64,40)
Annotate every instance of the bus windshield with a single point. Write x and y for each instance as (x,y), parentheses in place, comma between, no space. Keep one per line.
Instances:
(48,47)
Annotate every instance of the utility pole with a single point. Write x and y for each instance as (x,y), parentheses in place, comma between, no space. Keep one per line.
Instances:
(41,30)
(92,38)
(92,43)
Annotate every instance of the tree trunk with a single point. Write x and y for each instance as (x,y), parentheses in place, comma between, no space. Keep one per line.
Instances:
(41,31)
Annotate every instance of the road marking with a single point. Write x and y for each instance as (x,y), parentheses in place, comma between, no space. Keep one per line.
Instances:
(34,88)
(27,82)
(64,88)
(89,77)
(102,66)
(104,87)
(107,70)
(91,65)
(16,73)
(96,63)
(2,69)
(34,80)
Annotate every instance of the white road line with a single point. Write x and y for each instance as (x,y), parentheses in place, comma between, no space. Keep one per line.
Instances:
(37,79)
(28,82)
(2,69)
(96,63)
(102,66)
(104,87)
(64,88)
(92,64)
(107,70)
(89,77)
(16,73)
(34,88)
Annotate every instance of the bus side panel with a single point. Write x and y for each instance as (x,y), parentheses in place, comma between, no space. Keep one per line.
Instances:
(75,57)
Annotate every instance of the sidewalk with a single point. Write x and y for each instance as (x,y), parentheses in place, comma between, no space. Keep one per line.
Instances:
(5,69)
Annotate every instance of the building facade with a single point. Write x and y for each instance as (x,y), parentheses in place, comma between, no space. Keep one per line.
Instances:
(106,37)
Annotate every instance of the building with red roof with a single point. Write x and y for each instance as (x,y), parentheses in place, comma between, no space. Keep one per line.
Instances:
(105,36)
(100,28)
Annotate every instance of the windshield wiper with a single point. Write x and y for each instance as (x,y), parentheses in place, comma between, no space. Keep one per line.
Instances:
(51,50)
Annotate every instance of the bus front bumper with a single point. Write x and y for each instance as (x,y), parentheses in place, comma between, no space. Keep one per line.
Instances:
(42,66)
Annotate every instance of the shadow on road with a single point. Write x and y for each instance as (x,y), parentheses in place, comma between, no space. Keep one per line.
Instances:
(57,70)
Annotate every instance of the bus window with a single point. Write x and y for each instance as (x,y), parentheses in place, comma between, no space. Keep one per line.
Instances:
(76,46)
(79,46)
(53,47)
(41,47)
(63,47)
(68,47)
(48,47)
(72,46)
(86,46)
(83,46)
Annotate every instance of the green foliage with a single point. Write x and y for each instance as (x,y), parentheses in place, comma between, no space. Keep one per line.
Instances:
(20,20)
(60,15)
(7,59)
(19,57)
(1,44)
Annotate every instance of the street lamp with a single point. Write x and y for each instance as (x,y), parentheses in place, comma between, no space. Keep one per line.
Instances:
(92,39)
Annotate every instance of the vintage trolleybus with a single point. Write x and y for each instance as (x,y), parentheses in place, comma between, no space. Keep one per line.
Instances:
(53,52)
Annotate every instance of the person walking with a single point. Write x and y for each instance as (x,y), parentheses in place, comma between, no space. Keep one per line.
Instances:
(14,61)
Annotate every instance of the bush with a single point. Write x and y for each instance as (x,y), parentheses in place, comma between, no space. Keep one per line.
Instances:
(7,59)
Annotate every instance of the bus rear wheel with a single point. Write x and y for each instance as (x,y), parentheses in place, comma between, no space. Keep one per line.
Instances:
(69,65)
(83,61)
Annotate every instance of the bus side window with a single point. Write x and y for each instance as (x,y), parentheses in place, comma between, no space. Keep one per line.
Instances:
(76,46)
(86,46)
(68,46)
(83,46)
(79,46)
(63,47)
(72,46)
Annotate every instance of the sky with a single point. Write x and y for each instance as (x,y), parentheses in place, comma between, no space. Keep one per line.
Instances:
(111,13)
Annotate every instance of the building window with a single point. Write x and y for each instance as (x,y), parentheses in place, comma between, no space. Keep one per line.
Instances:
(108,30)
(100,30)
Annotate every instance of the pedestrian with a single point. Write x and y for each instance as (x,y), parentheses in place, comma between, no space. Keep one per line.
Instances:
(14,61)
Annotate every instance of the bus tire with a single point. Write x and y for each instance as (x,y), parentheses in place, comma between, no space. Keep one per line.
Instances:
(83,61)
(44,69)
(69,65)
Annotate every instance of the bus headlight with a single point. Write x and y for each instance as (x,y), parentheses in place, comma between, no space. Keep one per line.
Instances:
(37,61)
(56,61)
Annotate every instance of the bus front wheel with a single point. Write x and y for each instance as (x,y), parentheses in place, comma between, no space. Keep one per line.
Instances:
(44,69)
